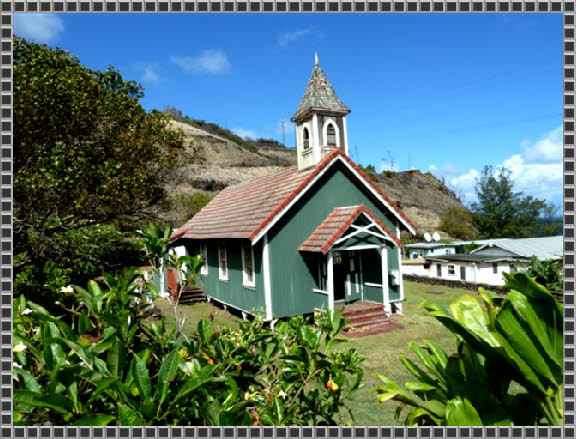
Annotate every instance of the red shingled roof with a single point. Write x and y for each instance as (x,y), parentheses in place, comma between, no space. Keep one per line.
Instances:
(334,226)
(244,210)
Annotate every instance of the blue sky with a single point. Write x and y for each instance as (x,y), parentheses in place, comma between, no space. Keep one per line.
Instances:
(446,93)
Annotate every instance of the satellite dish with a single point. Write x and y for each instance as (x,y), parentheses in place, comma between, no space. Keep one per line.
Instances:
(427,237)
(436,236)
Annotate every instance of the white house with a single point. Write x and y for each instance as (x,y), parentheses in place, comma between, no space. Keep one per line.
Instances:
(423,249)
(486,264)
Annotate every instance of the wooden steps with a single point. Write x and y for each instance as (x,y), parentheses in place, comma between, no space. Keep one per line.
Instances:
(192,295)
(367,319)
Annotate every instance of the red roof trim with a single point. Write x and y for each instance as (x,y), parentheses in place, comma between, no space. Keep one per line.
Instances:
(309,178)
(320,167)
(294,193)
(380,191)
(345,225)
(348,222)
(177,234)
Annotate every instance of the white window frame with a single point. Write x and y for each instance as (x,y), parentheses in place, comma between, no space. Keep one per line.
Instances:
(222,268)
(204,255)
(451,270)
(325,132)
(322,275)
(245,281)
(305,147)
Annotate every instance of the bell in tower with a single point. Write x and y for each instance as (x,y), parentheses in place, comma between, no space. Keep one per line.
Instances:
(320,121)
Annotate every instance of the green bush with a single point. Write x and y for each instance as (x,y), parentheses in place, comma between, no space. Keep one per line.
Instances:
(508,367)
(548,273)
(73,256)
(112,365)
(458,223)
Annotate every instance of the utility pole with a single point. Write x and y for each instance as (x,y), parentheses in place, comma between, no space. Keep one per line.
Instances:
(283,125)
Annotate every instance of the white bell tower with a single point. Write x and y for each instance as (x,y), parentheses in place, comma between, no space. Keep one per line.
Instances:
(320,121)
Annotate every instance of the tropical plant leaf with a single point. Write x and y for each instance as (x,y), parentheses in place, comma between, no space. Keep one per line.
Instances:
(141,378)
(460,412)
(98,419)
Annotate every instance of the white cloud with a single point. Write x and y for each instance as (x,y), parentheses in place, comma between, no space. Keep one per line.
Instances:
(149,71)
(546,150)
(447,170)
(210,61)
(244,133)
(289,37)
(465,183)
(537,171)
(150,75)
(286,38)
(43,28)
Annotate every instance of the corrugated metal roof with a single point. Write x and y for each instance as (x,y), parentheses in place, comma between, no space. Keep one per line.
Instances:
(471,258)
(549,247)
(432,245)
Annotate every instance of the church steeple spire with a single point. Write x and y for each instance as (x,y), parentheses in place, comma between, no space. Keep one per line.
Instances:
(320,120)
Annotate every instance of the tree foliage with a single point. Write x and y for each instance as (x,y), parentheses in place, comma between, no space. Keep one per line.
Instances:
(458,222)
(508,367)
(86,153)
(500,212)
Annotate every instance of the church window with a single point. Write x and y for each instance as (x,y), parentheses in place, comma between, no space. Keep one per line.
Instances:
(204,256)
(331,136)
(306,138)
(222,262)
(247,265)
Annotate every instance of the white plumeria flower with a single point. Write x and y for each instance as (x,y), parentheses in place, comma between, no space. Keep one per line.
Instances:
(188,368)
(282,394)
(26,312)
(20,347)
(16,365)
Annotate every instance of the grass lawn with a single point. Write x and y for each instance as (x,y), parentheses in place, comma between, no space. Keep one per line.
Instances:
(381,351)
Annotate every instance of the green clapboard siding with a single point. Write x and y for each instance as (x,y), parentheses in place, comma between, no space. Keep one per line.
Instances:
(232,292)
(293,275)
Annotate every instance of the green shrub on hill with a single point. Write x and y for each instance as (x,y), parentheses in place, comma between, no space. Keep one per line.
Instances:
(458,222)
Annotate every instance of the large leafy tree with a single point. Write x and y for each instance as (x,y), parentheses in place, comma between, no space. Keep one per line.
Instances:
(86,153)
(501,212)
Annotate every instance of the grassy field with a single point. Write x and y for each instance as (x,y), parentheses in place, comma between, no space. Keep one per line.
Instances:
(381,351)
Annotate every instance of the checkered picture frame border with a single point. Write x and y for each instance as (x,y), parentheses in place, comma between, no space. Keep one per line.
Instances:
(227,6)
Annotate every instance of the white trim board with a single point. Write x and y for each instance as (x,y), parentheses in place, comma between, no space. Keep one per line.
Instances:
(266,267)
(320,174)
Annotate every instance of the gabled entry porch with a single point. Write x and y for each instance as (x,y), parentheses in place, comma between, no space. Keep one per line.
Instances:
(357,257)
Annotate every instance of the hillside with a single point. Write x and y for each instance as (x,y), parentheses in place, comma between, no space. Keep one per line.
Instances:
(212,162)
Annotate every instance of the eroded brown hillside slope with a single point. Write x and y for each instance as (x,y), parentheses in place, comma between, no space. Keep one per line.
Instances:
(211,163)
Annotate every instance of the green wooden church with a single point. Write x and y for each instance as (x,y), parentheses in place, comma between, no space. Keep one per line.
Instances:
(307,238)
